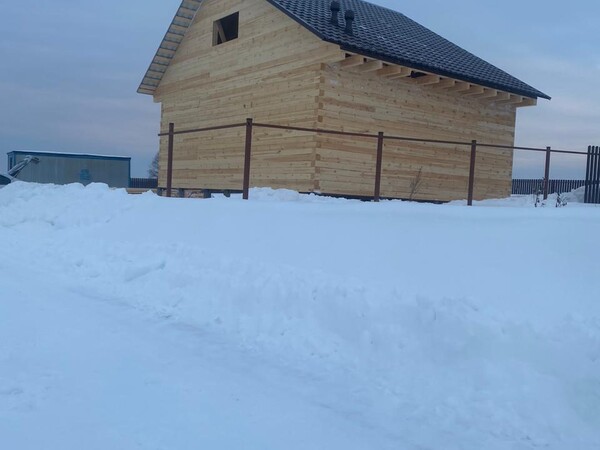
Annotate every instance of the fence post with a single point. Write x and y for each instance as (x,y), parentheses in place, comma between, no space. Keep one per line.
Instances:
(596,199)
(547,173)
(170,158)
(597,178)
(247,158)
(595,174)
(588,175)
(378,167)
(472,172)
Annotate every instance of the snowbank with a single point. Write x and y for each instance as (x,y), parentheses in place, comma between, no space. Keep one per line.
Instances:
(453,327)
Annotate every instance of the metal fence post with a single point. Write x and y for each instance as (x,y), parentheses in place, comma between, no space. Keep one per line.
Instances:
(547,173)
(247,158)
(472,172)
(594,182)
(588,175)
(378,167)
(170,158)
(596,199)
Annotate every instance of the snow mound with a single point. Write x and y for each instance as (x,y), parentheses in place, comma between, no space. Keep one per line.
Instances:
(71,205)
(575,196)
(285,195)
(441,326)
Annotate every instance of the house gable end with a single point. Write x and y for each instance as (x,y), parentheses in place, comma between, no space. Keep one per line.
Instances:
(178,34)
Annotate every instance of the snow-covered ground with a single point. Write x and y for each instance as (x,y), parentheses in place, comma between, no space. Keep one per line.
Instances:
(295,322)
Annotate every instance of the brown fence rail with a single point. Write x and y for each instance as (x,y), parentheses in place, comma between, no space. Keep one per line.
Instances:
(526,186)
(378,143)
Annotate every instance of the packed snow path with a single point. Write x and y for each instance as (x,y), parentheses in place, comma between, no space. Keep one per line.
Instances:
(295,322)
(83,374)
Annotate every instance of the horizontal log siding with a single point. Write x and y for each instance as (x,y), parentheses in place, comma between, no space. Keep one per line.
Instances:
(270,73)
(365,102)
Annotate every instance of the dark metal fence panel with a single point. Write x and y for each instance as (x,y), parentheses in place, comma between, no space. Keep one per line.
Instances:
(561,186)
(532,186)
(592,176)
(527,186)
(143,183)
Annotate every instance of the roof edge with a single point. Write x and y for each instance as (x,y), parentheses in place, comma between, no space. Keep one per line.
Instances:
(534,93)
(434,70)
(183,18)
(67,154)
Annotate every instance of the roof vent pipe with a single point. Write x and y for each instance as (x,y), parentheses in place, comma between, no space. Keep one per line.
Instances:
(335,11)
(349,16)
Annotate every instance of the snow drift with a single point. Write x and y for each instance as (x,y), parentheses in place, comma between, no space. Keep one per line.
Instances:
(440,326)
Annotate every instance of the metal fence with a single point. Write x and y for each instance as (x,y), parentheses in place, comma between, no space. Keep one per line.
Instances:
(378,139)
(143,183)
(526,186)
(592,176)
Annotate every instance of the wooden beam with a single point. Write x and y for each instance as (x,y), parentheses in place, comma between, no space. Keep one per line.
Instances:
(370,66)
(514,99)
(427,80)
(352,61)
(406,72)
(488,94)
(527,101)
(461,86)
(475,90)
(220,32)
(501,97)
(390,71)
(509,99)
(446,83)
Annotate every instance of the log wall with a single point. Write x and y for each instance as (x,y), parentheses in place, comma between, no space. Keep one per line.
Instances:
(270,73)
(367,103)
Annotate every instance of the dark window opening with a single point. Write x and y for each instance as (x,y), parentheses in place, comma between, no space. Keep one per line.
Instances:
(226,29)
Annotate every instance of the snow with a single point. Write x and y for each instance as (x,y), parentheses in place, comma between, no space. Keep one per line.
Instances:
(295,321)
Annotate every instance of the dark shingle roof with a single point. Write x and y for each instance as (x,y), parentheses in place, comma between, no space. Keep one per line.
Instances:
(392,37)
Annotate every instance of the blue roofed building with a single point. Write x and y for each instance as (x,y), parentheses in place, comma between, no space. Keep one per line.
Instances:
(65,168)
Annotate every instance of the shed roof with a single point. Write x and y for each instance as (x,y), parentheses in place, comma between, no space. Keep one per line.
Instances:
(383,34)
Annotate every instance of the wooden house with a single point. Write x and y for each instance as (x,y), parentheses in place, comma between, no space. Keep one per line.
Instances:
(347,65)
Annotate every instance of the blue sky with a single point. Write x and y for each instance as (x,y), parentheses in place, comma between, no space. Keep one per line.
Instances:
(71,70)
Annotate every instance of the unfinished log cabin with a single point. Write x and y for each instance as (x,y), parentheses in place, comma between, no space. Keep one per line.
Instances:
(350,66)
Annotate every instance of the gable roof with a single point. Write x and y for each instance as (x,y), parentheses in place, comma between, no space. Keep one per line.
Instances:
(379,33)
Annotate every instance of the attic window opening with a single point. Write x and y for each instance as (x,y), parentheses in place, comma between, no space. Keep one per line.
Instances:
(226,29)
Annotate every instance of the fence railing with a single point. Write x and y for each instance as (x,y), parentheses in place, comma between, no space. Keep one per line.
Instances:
(379,140)
(526,186)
